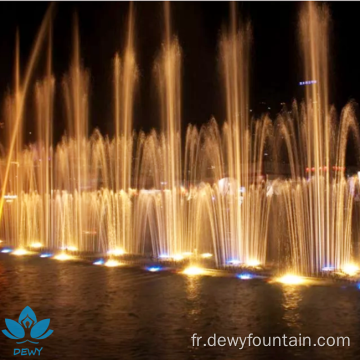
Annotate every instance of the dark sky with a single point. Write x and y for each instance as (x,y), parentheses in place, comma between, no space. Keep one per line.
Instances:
(276,66)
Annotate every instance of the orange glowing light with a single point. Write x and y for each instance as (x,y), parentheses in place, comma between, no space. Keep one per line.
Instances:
(193,271)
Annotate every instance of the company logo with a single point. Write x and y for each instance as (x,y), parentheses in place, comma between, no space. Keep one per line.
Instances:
(27,320)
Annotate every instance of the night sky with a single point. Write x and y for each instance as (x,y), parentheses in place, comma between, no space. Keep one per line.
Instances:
(275,64)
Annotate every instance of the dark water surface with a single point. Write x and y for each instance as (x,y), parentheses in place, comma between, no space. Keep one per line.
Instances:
(122,313)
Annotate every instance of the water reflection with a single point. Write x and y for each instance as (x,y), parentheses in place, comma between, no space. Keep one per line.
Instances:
(99,312)
(291,300)
(194,304)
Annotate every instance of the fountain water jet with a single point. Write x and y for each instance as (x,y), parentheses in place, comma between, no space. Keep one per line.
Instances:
(242,210)
(197,197)
(317,199)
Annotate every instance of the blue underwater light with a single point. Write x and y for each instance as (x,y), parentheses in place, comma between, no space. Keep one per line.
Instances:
(233,262)
(328,268)
(245,276)
(99,262)
(154,268)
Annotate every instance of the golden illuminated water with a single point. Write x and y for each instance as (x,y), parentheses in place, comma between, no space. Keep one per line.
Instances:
(317,198)
(179,195)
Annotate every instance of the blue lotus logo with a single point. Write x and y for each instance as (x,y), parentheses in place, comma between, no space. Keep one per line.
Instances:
(27,320)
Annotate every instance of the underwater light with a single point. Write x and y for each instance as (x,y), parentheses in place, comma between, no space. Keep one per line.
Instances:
(20,252)
(6,251)
(72,248)
(99,262)
(350,269)
(328,268)
(36,245)
(178,257)
(154,268)
(233,262)
(253,263)
(193,271)
(46,255)
(63,257)
(117,252)
(206,255)
(164,256)
(244,276)
(291,279)
(112,263)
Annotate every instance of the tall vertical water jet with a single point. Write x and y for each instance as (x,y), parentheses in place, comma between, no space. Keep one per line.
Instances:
(317,198)
(44,93)
(242,205)
(76,94)
(16,174)
(169,210)
(13,187)
(125,77)
(314,34)
(21,89)
(12,215)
